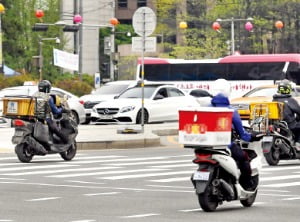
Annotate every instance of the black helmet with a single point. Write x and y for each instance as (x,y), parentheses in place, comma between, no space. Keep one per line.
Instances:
(284,87)
(44,86)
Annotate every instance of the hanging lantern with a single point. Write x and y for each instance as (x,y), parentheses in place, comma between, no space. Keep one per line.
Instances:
(183,25)
(279,24)
(248,26)
(216,26)
(114,21)
(39,13)
(77,18)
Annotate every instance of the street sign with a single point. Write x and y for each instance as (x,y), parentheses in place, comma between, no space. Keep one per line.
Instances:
(137,44)
(144,21)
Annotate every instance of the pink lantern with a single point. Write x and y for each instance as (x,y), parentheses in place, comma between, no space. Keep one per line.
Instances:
(248,26)
(39,13)
(77,18)
(216,26)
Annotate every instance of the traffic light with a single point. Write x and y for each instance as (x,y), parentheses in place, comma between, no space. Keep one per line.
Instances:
(71,28)
(39,27)
(105,69)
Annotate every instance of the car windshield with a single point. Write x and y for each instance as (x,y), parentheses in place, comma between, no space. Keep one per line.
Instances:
(269,92)
(111,89)
(136,92)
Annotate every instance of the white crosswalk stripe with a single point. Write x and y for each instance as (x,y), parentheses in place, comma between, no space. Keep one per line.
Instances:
(155,169)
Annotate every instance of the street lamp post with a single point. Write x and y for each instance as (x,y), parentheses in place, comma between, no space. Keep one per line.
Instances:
(231,20)
(57,40)
(2,10)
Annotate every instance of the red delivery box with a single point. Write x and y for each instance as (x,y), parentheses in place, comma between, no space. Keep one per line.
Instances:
(205,126)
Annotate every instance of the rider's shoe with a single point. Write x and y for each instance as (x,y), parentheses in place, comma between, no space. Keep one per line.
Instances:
(297,146)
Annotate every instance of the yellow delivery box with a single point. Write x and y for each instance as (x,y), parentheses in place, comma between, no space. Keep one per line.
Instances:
(18,106)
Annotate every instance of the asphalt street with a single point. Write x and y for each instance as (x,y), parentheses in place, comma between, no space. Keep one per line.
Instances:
(138,184)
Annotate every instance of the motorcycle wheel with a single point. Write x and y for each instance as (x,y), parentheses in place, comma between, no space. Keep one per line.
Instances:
(272,157)
(249,201)
(207,201)
(23,152)
(70,153)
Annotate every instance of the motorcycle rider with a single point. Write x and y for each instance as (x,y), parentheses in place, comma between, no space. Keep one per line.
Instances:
(47,108)
(221,91)
(291,109)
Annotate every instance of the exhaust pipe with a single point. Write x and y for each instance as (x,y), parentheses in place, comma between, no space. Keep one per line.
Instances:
(228,189)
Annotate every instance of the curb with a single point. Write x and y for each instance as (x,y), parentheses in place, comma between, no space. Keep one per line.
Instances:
(123,144)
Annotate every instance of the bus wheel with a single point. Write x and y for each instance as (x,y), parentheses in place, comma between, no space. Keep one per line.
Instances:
(139,117)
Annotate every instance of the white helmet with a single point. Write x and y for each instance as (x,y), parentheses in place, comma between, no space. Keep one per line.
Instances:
(221,86)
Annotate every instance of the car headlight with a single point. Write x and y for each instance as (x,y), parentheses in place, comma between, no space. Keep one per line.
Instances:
(127,109)
(94,110)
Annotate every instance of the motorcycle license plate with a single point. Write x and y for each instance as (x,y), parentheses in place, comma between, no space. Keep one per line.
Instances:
(267,139)
(18,133)
(199,175)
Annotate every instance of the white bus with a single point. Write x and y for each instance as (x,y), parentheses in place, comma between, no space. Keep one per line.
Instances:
(243,71)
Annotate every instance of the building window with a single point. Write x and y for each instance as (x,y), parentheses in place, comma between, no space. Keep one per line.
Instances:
(141,3)
(122,3)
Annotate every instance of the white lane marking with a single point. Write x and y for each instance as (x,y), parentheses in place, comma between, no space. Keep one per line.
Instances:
(31,167)
(175,179)
(60,171)
(140,215)
(282,191)
(4,220)
(145,163)
(279,178)
(11,179)
(175,165)
(175,187)
(83,220)
(103,173)
(83,182)
(292,198)
(279,168)
(290,184)
(276,195)
(121,160)
(143,175)
(190,210)
(43,199)
(100,194)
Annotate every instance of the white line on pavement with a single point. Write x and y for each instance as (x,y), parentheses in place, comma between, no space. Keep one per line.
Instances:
(99,194)
(140,215)
(43,199)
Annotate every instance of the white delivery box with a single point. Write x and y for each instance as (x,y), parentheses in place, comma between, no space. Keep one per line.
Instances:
(205,126)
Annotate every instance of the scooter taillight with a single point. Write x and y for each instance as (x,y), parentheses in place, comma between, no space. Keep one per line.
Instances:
(204,158)
(271,128)
(18,122)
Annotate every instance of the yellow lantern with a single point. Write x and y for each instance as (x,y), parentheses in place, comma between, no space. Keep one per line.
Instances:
(183,25)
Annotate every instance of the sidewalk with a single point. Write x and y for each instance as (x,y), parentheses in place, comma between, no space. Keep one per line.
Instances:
(107,136)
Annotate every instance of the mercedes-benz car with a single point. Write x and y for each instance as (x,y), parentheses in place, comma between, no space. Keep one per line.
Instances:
(160,104)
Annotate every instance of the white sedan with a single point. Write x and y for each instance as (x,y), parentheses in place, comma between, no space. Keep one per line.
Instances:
(161,104)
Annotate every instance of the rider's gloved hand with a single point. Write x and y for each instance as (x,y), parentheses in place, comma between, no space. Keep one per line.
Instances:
(256,136)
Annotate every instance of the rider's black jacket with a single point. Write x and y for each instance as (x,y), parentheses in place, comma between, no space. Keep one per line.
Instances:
(291,109)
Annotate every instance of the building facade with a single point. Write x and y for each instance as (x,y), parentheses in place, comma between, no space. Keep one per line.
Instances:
(95,14)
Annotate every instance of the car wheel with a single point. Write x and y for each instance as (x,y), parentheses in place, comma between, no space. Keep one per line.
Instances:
(139,117)
(74,116)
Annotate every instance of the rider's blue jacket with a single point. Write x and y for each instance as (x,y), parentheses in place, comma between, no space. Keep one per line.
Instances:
(222,101)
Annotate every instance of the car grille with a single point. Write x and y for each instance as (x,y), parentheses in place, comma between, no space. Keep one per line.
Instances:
(89,105)
(107,111)
(240,106)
